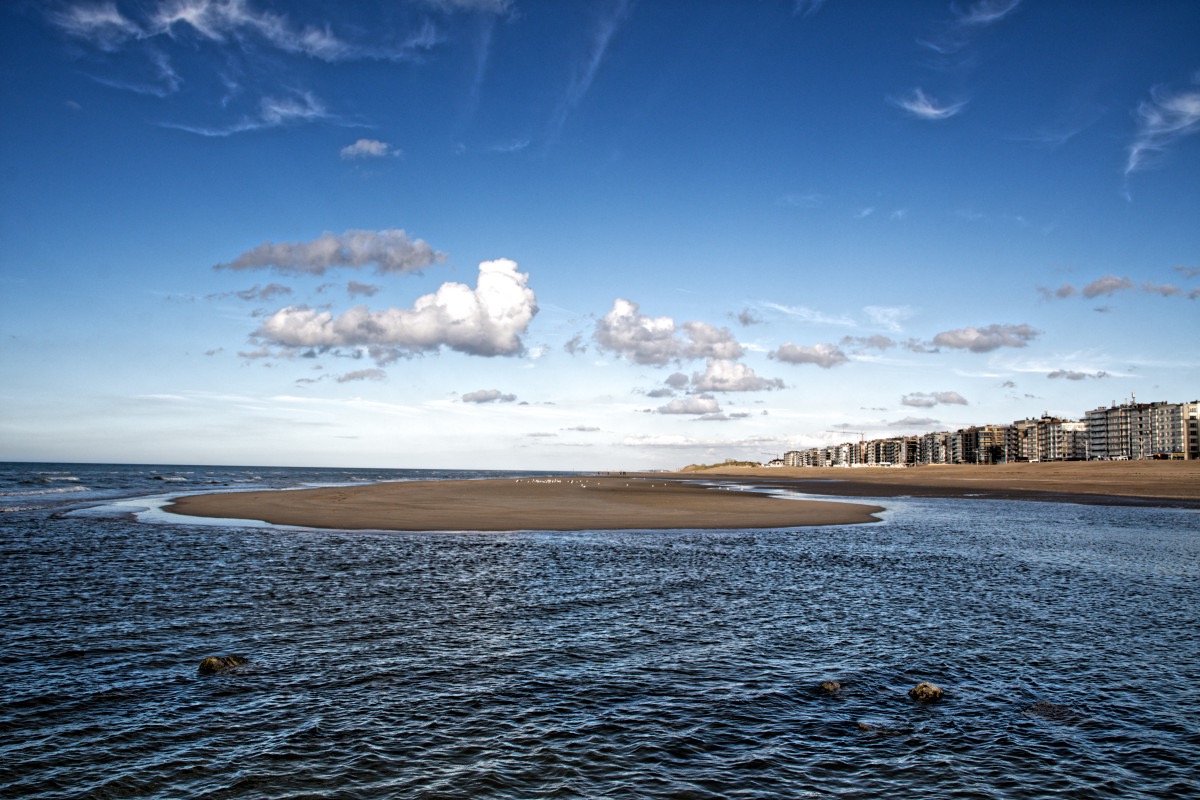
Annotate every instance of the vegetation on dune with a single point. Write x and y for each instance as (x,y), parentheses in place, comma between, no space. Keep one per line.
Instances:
(730,463)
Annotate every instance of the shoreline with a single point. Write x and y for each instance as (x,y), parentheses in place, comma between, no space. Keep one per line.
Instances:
(737,497)
(1164,484)
(568,503)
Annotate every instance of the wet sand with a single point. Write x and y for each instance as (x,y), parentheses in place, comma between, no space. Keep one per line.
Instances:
(675,501)
(1158,483)
(563,504)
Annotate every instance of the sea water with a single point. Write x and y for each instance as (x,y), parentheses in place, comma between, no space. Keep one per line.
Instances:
(627,664)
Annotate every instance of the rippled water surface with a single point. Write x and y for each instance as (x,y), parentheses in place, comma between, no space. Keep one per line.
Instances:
(594,664)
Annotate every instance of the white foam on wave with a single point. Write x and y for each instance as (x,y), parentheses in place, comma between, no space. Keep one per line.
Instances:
(55,490)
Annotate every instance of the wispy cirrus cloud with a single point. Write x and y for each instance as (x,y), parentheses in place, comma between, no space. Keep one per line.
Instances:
(810,315)
(581,81)
(271,112)
(481,6)
(806,8)
(1070,124)
(805,200)
(984,12)
(966,23)
(1163,120)
(923,106)
(227,21)
(143,43)
(891,318)
(101,24)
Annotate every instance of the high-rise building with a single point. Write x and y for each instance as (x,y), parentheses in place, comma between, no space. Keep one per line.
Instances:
(1137,431)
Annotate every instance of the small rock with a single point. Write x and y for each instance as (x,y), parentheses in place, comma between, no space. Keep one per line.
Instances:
(214,664)
(925,693)
(831,686)
(862,726)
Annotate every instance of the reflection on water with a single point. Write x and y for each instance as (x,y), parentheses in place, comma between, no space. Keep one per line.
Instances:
(627,664)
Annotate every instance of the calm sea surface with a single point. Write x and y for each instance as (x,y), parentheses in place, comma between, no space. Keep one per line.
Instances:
(682,664)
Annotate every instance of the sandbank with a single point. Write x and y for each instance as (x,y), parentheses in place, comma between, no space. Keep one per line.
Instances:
(1157,483)
(561,503)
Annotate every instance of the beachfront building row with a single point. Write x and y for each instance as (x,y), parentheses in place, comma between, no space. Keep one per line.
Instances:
(1138,431)
(1131,431)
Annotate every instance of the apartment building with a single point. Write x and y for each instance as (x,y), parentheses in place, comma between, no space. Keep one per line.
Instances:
(1130,431)
(1136,431)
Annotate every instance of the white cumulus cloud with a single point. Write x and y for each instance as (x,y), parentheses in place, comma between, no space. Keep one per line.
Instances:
(983,340)
(624,330)
(731,376)
(931,399)
(696,404)
(390,251)
(368,148)
(823,355)
(486,321)
(1075,375)
(1105,285)
(362,375)
(488,396)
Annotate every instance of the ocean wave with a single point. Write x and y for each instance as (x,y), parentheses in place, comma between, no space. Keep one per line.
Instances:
(56,490)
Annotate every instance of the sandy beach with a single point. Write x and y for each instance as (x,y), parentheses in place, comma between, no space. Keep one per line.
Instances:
(562,503)
(676,500)
(1141,482)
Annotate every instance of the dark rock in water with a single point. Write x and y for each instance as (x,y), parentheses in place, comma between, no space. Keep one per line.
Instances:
(925,693)
(866,727)
(214,664)
(831,686)
(1051,711)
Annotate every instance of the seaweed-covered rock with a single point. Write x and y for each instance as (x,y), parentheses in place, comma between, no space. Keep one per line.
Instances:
(925,692)
(214,664)
(830,686)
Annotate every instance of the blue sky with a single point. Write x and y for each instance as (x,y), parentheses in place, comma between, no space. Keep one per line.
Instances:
(603,234)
